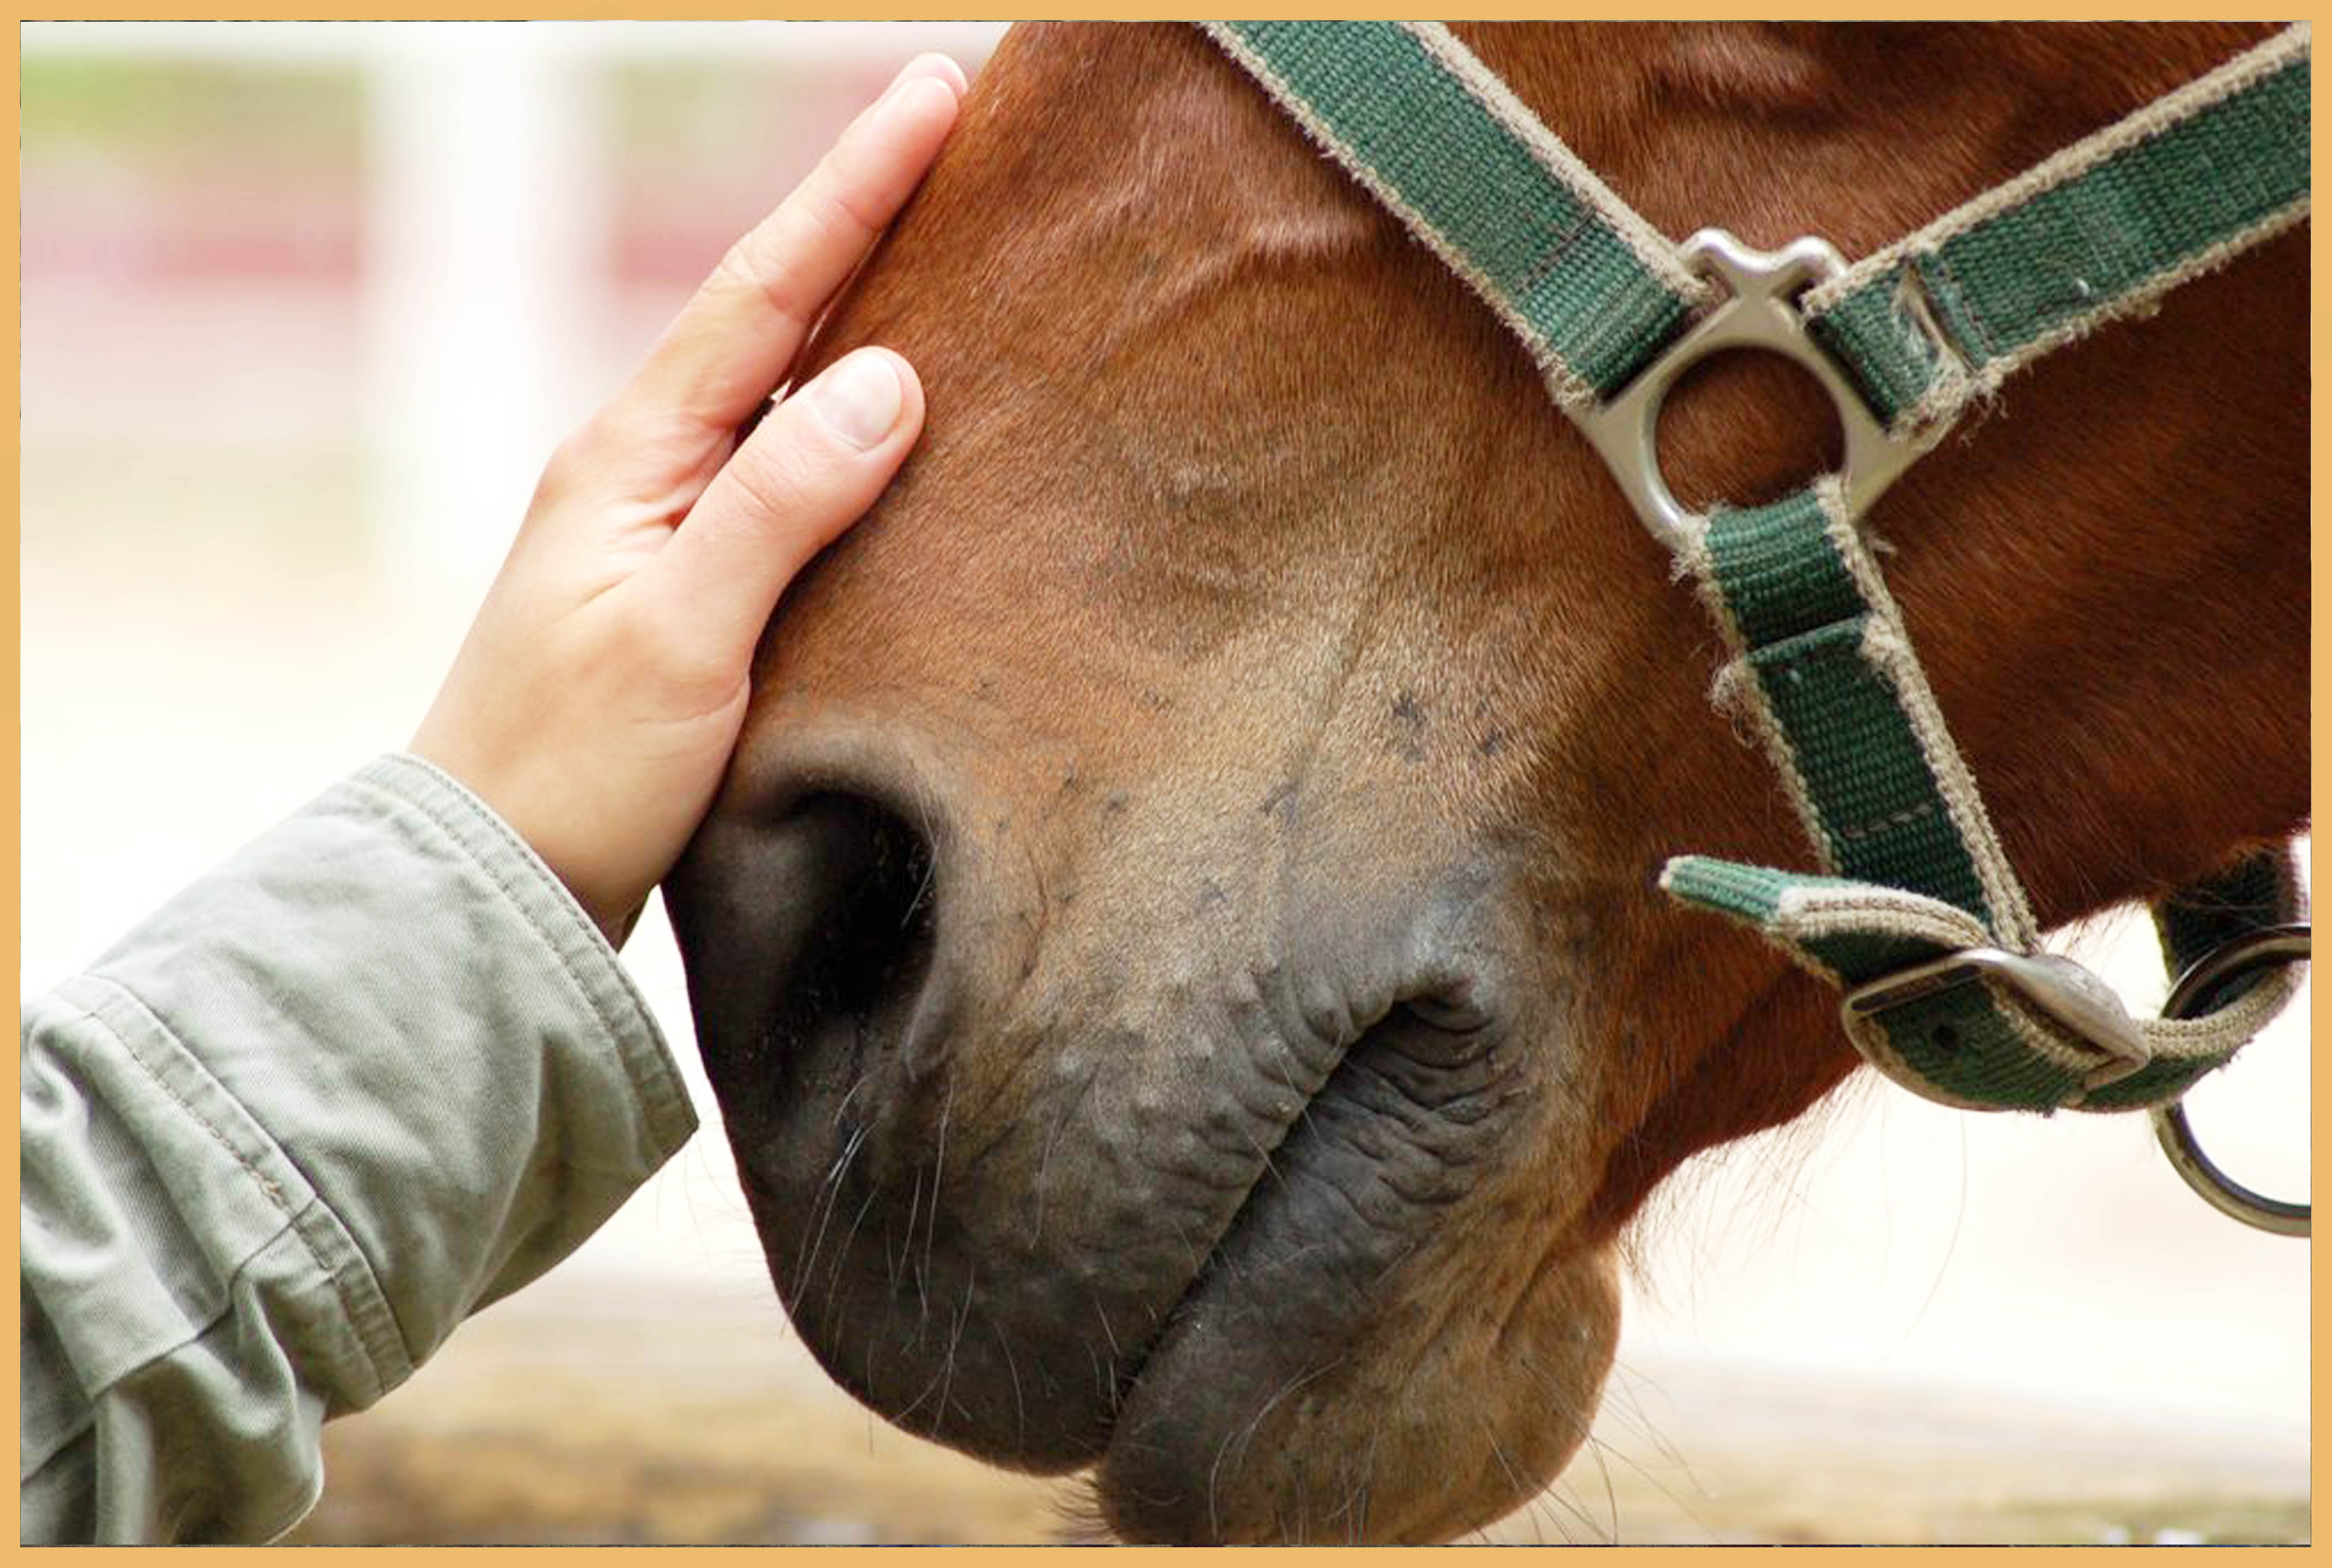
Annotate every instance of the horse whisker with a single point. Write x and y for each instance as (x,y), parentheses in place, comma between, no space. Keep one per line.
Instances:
(829,1195)
(939,1165)
(1019,1405)
(834,1270)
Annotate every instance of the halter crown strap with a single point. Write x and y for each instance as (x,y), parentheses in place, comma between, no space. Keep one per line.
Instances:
(2100,230)
(1914,910)
(1593,290)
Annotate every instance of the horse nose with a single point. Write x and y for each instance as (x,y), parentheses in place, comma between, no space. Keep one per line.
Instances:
(853,931)
(810,933)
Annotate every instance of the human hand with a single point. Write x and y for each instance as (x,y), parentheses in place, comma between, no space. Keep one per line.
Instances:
(598,694)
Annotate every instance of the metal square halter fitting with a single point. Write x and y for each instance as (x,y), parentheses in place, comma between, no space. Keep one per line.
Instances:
(2061,991)
(1759,313)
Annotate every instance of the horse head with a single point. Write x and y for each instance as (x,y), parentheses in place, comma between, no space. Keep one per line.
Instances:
(1178,952)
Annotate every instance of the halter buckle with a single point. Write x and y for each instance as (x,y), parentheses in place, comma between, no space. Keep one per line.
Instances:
(2060,989)
(1760,313)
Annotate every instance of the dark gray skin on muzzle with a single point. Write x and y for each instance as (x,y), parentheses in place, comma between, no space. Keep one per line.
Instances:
(1062,1209)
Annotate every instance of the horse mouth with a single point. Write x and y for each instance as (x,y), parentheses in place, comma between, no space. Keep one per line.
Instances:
(1197,1238)
(1177,1427)
(1276,1311)
(1333,1159)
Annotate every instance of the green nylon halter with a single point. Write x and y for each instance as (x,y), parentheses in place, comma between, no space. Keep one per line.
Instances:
(1914,910)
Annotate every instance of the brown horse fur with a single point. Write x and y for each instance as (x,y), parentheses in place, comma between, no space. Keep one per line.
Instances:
(1293,719)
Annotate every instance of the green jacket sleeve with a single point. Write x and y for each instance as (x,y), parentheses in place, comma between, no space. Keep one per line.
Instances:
(376,1071)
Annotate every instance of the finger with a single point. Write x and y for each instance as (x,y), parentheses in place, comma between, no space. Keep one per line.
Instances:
(718,361)
(814,465)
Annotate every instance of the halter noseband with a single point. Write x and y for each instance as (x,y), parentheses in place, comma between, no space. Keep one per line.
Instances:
(1915,914)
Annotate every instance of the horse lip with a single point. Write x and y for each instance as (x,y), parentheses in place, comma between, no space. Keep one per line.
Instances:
(1468,1036)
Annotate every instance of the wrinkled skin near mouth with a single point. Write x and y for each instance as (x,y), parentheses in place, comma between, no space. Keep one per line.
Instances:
(1157,1225)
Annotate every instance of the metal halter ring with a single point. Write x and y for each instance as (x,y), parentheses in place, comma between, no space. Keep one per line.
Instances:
(1759,312)
(2272,945)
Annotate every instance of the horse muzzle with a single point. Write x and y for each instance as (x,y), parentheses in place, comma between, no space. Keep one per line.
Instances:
(1060,1169)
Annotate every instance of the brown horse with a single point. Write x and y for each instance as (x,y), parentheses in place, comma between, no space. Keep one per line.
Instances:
(1178,952)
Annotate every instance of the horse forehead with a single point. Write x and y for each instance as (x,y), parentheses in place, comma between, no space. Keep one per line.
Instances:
(1757,70)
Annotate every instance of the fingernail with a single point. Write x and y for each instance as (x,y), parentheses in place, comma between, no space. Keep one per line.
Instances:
(936,68)
(940,68)
(858,397)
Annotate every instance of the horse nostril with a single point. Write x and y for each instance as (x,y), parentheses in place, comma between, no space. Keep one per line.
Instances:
(866,949)
(810,939)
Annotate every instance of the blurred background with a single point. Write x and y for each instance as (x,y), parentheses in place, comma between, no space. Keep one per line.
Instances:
(304,308)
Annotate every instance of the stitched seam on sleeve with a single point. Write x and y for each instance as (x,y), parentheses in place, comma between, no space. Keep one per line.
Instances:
(266,1183)
(507,836)
(351,1311)
(661,1080)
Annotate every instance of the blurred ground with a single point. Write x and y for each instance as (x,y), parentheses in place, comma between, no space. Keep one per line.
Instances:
(628,1413)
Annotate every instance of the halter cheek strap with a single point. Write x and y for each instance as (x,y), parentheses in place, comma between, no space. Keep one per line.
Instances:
(1914,912)
(1918,915)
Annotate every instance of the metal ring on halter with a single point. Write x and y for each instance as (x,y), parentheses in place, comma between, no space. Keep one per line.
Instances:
(2255,949)
(1760,313)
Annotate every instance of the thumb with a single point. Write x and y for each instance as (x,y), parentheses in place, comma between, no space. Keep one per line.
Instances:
(807,470)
